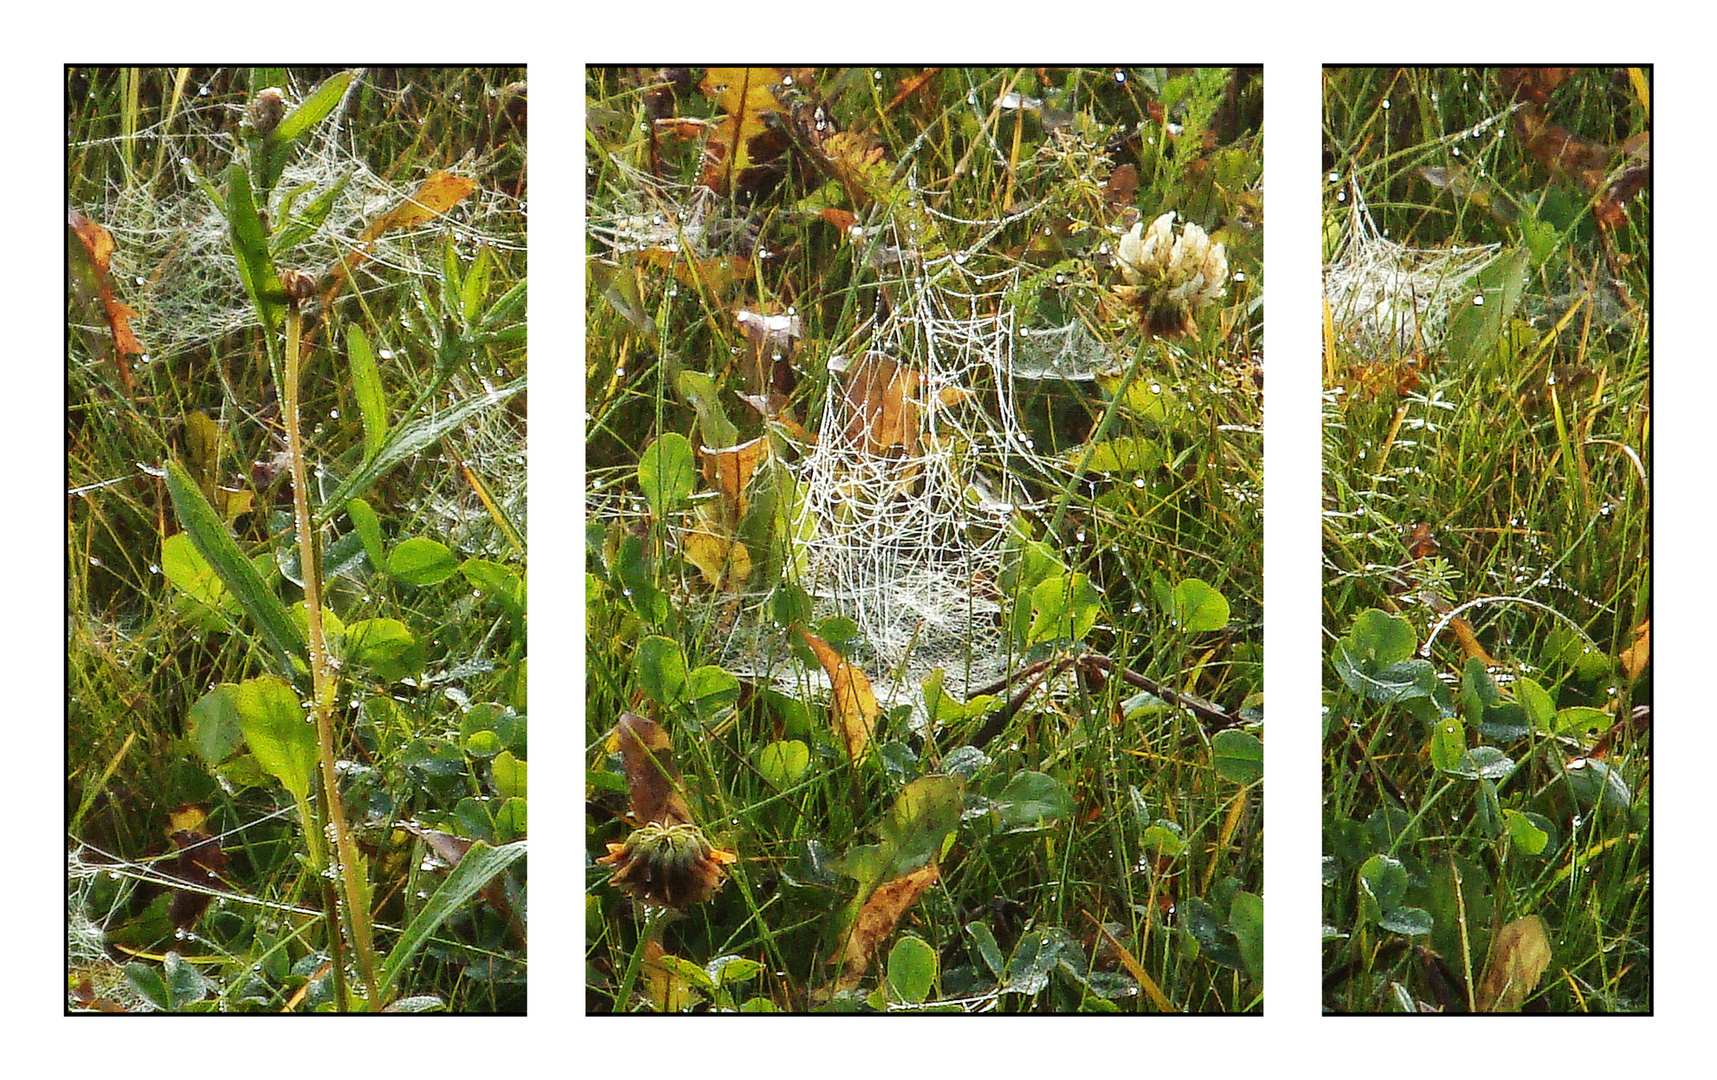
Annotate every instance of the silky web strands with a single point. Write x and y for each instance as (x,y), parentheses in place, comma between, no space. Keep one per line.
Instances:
(1388,297)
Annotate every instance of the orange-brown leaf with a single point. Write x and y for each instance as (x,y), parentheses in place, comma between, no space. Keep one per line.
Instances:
(853,708)
(1519,955)
(438,193)
(877,920)
(882,396)
(97,244)
(651,775)
(1637,655)
(730,469)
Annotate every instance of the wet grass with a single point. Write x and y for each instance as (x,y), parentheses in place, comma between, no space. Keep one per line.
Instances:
(143,652)
(1487,500)
(1098,857)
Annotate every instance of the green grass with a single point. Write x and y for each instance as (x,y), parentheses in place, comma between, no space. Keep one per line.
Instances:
(1521,439)
(1090,806)
(420,732)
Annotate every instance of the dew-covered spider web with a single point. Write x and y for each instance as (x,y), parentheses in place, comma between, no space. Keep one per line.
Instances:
(1386,296)
(173,260)
(902,533)
(907,539)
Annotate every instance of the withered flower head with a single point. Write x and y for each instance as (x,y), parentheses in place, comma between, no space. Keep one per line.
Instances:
(668,865)
(266,110)
(1171,278)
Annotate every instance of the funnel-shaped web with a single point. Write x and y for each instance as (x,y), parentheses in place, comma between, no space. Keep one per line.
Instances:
(1386,296)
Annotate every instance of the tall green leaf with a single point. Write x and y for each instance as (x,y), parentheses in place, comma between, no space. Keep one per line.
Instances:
(212,540)
(479,866)
(250,247)
(275,728)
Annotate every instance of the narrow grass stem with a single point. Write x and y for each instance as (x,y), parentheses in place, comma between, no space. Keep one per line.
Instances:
(321,671)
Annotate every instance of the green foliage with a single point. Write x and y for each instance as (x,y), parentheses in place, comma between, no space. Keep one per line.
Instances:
(1487,550)
(403,431)
(1037,824)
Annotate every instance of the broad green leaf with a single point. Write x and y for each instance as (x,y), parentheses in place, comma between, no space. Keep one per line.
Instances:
(1448,744)
(782,762)
(1539,705)
(1238,756)
(1064,607)
(924,813)
(911,970)
(666,473)
(1384,881)
(713,692)
(1198,607)
(1381,638)
(385,646)
(1582,720)
(716,429)
(1407,920)
(422,561)
(1524,829)
(278,731)
(369,530)
(661,668)
(1481,311)
(1484,762)
(184,566)
(509,773)
(1029,801)
(498,581)
(213,725)
(984,940)
(1246,919)
(727,971)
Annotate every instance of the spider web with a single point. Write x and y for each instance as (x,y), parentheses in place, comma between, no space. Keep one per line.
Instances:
(173,260)
(1387,296)
(909,545)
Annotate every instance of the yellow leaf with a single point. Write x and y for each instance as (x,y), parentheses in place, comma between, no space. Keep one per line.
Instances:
(723,561)
(853,709)
(669,991)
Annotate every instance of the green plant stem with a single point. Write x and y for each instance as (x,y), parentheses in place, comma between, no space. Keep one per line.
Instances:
(321,673)
(652,925)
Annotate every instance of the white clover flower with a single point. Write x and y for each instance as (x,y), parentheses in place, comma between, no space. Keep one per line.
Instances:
(1171,278)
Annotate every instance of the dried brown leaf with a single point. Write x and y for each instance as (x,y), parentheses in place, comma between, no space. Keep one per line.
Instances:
(1637,655)
(853,708)
(883,397)
(438,193)
(97,245)
(651,775)
(1519,955)
(877,920)
(730,468)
